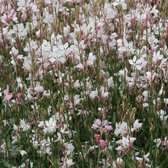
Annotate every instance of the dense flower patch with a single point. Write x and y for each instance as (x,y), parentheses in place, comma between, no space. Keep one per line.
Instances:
(83,83)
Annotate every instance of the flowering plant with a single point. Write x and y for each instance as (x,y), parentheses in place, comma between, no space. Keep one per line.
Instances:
(83,83)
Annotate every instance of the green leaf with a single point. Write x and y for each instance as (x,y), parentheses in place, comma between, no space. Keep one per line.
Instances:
(5,164)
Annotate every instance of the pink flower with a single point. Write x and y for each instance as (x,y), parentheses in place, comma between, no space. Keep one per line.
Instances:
(103,125)
(19,99)
(97,137)
(39,89)
(150,76)
(103,144)
(107,128)
(97,124)
(7,95)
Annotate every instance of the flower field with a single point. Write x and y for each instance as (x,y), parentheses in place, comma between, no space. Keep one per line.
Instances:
(83,83)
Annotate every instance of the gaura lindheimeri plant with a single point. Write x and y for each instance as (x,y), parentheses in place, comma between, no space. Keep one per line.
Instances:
(83,84)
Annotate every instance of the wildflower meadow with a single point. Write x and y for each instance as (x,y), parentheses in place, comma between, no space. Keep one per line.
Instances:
(83,83)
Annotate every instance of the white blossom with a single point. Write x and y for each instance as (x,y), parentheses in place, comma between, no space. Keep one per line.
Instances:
(121,128)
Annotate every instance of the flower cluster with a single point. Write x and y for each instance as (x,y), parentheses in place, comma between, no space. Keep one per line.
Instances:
(101,127)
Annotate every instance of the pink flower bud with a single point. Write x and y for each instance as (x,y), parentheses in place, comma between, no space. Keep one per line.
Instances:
(103,144)
(97,137)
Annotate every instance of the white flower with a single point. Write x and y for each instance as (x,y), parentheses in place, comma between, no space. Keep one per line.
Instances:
(45,147)
(146,157)
(157,57)
(93,94)
(121,51)
(125,143)
(158,142)
(70,148)
(123,72)
(80,66)
(153,41)
(35,144)
(23,152)
(19,82)
(27,63)
(21,5)
(109,11)
(34,8)
(15,127)
(145,105)
(136,125)
(119,161)
(91,59)
(32,45)
(110,82)
(166,101)
(138,63)
(50,125)
(76,84)
(58,54)
(77,99)
(23,125)
(139,159)
(14,139)
(64,129)
(20,30)
(14,51)
(66,30)
(48,19)
(46,48)
(162,115)
(5,122)
(120,3)
(104,93)
(69,162)
(154,12)
(23,165)
(47,2)
(145,95)
(46,93)
(41,124)
(161,91)
(121,129)
(3,147)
